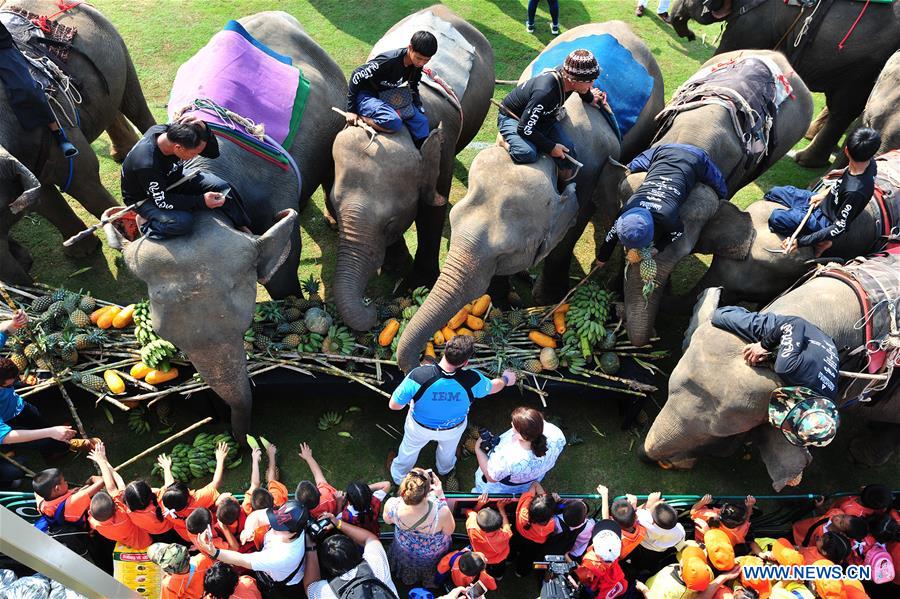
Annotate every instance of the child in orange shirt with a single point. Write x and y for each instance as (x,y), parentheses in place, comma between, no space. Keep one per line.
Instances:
(179,501)
(624,513)
(534,523)
(230,519)
(464,567)
(873,499)
(732,518)
(320,497)
(199,521)
(182,575)
(107,514)
(275,488)
(51,490)
(489,533)
(222,581)
(143,508)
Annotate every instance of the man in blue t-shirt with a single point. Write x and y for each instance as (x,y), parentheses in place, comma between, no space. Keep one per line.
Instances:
(440,395)
(21,422)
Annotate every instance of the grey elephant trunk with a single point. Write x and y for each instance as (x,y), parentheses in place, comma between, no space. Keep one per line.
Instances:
(465,275)
(360,254)
(640,312)
(11,168)
(226,375)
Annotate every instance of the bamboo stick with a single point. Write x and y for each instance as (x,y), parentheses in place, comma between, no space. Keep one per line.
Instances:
(28,471)
(106,397)
(165,441)
(354,378)
(592,385)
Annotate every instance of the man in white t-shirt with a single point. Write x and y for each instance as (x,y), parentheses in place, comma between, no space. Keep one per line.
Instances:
(661,521)
(284,546)
(337,558)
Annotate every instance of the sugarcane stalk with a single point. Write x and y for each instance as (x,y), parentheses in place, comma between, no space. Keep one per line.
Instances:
(106,397)
(353,378)
(386,431)
(588,384)
(164,442)
(631,383)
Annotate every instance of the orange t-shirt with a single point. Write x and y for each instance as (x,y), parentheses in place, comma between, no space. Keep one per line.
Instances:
(246,589)
(592,567)
(632,539)
(145,519)
(204,497)
(77,504)
(327,502)
(536,533)
(810,555)
(735,535)
(120,528)
(278,491)
(494,545)
(461,580)
(852,507)
(188,585)
(801,527)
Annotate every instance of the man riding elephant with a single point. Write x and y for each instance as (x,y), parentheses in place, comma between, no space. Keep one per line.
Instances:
(529,117)
(650,218)
(155,166)
(384,92)
(833,209)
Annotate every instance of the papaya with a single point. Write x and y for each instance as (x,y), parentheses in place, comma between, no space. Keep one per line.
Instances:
(464,331)
(155,377)
(96,314)
(114,382)
(388,332)
(541,339)
(559,321)
(474,323)
(429,350)
(124,318)
(106,319)
(481,305)
(448,333)
(139,370)
(458,320)
(438,338)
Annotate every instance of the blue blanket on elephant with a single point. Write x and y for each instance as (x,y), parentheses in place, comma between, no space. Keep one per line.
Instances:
(626,82)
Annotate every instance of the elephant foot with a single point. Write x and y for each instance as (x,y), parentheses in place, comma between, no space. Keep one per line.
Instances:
(869,451)
(683,464)
(21,255)
(83,248)
(808,159)
(118,155)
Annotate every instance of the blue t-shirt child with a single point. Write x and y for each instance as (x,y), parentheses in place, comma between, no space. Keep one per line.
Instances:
(445,402)
(11,405)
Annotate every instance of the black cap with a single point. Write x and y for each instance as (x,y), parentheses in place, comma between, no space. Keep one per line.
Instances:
(290,517)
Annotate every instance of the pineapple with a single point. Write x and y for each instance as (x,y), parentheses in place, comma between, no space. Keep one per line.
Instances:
(57,310)
(404,303)
(59,295)
(20,361)
(366,339)
(451,483)
(298,328)
(87,304)
(548,328)
(32,351)
(293,314)
(516,317)
(248,346)
(283,329)
(262,342)
(97,338)
(495,313)
(40,304)
(532,366)
(79,319)
(292,340)
(83,341)
(257,327)
(52,341)
(71,302)
(479,336)
(90,381)
(311,287)
(67,351)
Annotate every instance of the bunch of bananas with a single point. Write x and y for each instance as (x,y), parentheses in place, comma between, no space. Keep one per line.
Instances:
(199,458)
(143,328)
(338,341)
(587,316)
(157,352)
(310,343)
(328,420)
(138,422)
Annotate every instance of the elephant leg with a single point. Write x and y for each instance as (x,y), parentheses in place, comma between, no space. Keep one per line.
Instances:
(875,445)
(553,282)
(12,268)
(21,254)
(134,104)
(499,290)
(817,125)
(397,257)
(122,136)
(429,227)
(285,282)
(844,105)
(54,208)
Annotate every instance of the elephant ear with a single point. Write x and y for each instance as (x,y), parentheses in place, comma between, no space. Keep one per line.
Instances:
(10,168)
(728,234)
(564,209)
(430,167)
(274,245)
(785,462)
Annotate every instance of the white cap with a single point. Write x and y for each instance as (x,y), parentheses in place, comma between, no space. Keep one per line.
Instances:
(607,540)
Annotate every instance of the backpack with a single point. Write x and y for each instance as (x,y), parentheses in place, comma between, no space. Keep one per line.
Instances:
(442,577)
(73,535)
(365,585)
(880,561)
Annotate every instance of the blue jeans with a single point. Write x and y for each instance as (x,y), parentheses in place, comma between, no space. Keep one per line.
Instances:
(554,10)
(523,151)
(385,116)
(796,202)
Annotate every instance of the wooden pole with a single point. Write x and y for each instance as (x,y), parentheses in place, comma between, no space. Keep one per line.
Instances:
(165,441)
(571,291)
(21,467)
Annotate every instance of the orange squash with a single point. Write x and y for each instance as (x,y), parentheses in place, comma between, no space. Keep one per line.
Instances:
(562,308)
(124,318)
(155,377)
(458,320)
(114,382)
(541,339)
(559,321)
(474,323)
(438,338)
(464,331)
(429,350)
(388,332)
(139,370)
(480,306)
(96,314)
(448,333)
(106,319)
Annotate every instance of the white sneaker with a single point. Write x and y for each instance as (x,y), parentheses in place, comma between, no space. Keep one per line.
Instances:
(529,27)
(554,29)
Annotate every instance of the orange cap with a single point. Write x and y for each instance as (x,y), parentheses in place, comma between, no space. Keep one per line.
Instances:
(693,551)
(719,549)
(853,589)
(696,575)
(785,554)
(763,587)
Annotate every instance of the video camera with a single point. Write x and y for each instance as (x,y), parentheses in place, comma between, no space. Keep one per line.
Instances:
(558,581)
(318,529)
(489,440)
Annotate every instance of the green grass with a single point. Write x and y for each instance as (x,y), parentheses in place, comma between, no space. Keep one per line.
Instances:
(161,34)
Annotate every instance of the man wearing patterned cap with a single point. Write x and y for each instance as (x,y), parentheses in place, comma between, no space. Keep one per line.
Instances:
(528,120)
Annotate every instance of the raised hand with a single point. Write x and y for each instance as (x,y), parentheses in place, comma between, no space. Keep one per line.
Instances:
(164,461)
(221,452)
(305,452)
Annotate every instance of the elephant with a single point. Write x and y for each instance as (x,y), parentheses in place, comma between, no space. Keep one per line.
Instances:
(881,111)
(111,95)
(709,127)
(512,215)
(715,398)
(835,61)
(382,187)
(202,286)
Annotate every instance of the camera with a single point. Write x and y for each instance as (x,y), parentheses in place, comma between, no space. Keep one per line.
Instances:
(318,529)
(489,440)
(558,582)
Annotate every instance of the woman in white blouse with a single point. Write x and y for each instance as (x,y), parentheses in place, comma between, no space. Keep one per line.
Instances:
(525,453)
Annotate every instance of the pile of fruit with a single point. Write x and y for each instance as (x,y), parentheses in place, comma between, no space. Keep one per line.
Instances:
(199,458)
